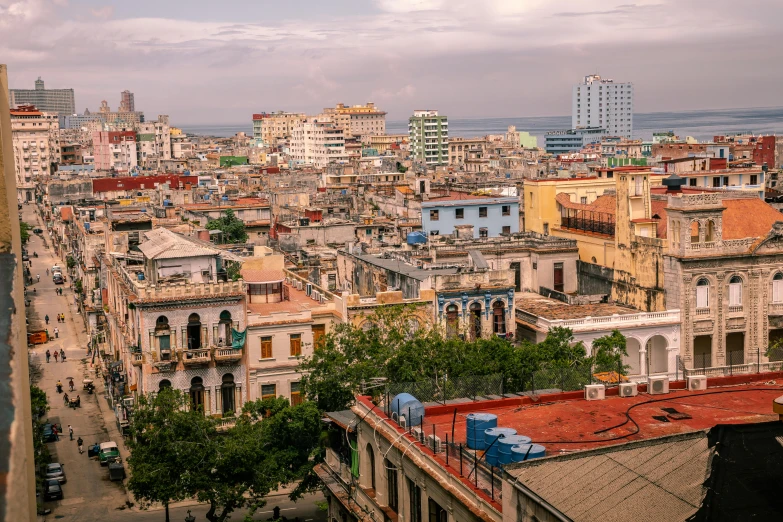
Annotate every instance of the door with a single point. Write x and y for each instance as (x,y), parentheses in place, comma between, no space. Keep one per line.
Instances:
(559,278)
(517,276)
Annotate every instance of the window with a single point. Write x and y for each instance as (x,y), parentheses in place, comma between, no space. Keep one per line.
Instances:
(414,496)
(437,513)
(716,181)
(165,383)
(702,294)
(558,277)
(266,347)
(434,215)
(228,395)
(506,230)
(506,210)
(197,393)
(695,231)
(692,182)
(319,335)
(460,213)
(499,318)
(296,394)
(225,336)
(735,291)
(777,288)
(392,486)
(483,232)
(296,345)
(583,200)
(754,179)
(371,461)
(268,391)
(194,332)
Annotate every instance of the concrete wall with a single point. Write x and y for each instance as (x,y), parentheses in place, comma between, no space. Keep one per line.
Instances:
(594,279)
(447,220)
(69,191)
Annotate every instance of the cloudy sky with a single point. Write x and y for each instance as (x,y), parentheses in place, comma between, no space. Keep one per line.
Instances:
(219,61)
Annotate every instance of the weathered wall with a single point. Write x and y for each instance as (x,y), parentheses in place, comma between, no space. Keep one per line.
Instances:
(594,279)
(71,191)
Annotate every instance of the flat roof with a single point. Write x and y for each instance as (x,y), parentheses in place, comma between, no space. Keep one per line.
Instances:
(553,309)
(401,267)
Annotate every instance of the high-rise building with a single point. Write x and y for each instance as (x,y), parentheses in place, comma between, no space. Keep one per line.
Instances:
(429,137)
(358,120)
(601,102)
(127,102)
(269,127)
(35,137)
(56,101)
(318,141)
(153,142)
(115,150)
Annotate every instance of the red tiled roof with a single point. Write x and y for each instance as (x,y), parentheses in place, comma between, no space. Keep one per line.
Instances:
(100,185)
(66,213)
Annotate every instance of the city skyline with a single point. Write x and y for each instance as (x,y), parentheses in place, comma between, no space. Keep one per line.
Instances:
(219,63)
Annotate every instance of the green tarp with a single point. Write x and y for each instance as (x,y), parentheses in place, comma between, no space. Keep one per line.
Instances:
(238,339)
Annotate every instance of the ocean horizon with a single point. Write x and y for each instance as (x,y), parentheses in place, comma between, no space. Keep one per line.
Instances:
(700,124)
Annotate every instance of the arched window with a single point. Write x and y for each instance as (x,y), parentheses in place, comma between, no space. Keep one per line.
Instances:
(162,323)
(777,288)
(709,235)
(452,320)
(163,337)
(475,320)
(702,293)
(165,383)
(224,328)
(735,291)
(499,318)
(392,485)
(371,462)
(194,332)
(228,394)
(197,393)
(695,230)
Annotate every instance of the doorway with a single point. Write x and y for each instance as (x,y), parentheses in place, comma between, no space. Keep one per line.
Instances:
(735,348)
(475,321)
(559,278)
(702,351)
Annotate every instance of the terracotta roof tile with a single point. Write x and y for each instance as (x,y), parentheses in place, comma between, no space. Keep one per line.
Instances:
(748,218)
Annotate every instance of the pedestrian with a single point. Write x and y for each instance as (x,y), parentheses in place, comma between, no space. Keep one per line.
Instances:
(56,355)
(48,354)
(56,333)
(46,318)
(65,399)
(55,432)
(70,383)
(70,431)
(47,271)
(78,401)
(38,276)
(62,355)
(80,443)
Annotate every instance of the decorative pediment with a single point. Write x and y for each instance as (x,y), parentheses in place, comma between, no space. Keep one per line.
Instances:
(773,243)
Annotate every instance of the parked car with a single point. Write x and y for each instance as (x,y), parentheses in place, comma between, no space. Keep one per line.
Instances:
(58,279)
(37,230)
(25,257)
(53,490)
(56,470)
(48,434)
(108,451)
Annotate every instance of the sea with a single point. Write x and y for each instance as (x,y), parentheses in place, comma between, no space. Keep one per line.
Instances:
(700,124)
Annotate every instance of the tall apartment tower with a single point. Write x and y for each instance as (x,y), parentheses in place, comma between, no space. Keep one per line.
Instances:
(428,133)
(602,102)
(127,102)
(56,101)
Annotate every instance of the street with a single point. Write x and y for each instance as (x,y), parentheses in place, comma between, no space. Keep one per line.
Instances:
(88,493)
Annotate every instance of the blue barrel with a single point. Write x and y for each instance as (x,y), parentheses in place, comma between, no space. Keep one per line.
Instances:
(407,405)
(477,423)
(522,452)
(490,436)
(506,443)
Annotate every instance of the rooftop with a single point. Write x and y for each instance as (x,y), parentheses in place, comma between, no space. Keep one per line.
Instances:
(162,243)
(553,309)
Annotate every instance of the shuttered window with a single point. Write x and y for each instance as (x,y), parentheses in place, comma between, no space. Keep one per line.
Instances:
(266,347)
(702,295)
(735,294)
(777,289)
(296,345)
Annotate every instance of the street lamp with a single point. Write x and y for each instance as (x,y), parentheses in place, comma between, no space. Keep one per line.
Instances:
(190,518)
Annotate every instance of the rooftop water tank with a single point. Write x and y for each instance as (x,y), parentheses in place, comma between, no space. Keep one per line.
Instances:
(140,276)
(523,452)
(505,444)
(477,424)
(409,406)
(491,446)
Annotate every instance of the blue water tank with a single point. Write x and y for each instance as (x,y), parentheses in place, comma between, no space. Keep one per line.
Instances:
(140,276)
(490,436)
(477,424)
(523,452)
(409,406)
(506,443)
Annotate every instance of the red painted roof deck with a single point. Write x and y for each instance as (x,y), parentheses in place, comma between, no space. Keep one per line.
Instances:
(566,423)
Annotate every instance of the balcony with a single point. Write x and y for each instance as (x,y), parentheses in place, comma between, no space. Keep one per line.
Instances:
(702,311)
(137,359)
(227,355)
(735,310)
(226,423)
(165,366)
(198,357)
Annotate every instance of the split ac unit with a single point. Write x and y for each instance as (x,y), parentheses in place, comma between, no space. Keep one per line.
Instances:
(308,289)
(402,422)
(658,385)
(697,382)
(628,389)
(595,392)
(433,443)
(417,434)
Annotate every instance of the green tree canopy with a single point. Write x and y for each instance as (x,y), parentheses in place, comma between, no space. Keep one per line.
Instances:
(178,453)
(24,229)
(609,351)
(233,228)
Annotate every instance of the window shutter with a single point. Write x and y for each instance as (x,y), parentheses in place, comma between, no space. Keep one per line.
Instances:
(735,294)
(777,291)
(702,296)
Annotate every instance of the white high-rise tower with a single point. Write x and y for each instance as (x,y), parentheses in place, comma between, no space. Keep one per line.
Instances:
(601,102)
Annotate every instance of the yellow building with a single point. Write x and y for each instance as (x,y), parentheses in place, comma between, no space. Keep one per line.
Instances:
(358,120)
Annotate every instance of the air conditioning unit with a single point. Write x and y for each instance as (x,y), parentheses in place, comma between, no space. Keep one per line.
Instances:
(658,385)
(697,382)
(323,299)
(433,443)
(628,389)
(308,289)
(298,285)
(402,422)
(417,434)
(315,295)
(595,392)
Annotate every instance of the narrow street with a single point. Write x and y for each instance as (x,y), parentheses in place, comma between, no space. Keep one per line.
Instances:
(88,493)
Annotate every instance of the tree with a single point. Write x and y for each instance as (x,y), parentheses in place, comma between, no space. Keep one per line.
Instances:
(70,262)
(232,228)
(24,229)
(775,349)
(560,350)
(78,287)
(178,453)
(609,351)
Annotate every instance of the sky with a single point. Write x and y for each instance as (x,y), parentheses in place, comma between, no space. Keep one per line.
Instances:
(217,62)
